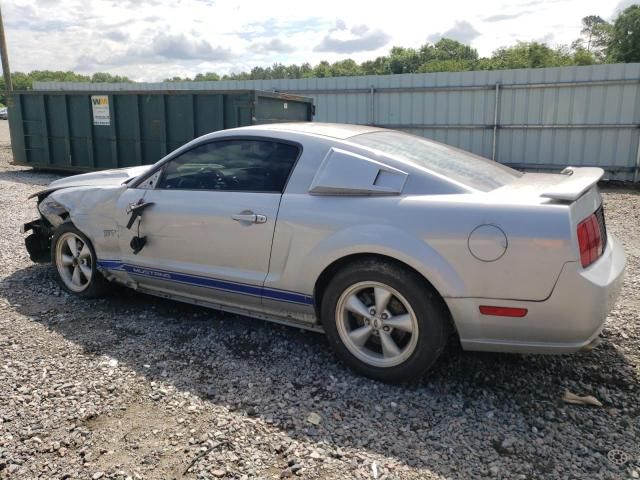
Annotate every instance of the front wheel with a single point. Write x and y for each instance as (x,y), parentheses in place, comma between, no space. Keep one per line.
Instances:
(75,262)
(384,321)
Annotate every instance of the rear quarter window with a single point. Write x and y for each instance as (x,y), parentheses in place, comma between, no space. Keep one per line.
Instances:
(463,167)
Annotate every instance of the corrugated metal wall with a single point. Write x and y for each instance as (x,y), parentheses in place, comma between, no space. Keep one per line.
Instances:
(537,119)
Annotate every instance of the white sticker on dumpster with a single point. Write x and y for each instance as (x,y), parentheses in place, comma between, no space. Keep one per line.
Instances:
(100,108)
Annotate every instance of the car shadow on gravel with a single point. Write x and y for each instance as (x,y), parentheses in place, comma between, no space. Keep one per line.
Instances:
(281,375)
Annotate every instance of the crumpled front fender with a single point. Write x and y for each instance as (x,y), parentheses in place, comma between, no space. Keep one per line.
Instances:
(91,209)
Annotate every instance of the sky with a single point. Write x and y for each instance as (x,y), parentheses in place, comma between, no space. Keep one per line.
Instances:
(149,40)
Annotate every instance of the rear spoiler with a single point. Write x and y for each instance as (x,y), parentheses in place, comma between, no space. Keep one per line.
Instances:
(578,182)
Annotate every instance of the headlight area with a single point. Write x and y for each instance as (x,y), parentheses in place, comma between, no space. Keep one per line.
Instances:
(38,243)
(53,212)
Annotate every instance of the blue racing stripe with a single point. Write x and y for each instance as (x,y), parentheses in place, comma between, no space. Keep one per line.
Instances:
(193,280)
(111,264)
(282,295)
(208,282)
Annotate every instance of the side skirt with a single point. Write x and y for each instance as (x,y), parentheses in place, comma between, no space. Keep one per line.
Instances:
(290,322)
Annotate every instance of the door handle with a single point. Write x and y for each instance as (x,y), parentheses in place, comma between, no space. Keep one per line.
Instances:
(249,217)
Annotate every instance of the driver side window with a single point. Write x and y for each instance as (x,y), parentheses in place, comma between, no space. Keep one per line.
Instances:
(232,165)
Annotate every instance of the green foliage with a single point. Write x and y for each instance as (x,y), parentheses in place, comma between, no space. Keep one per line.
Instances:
(445,55)
(596,34)
(103,77)
(530,55)
(448,49)
(624,41)
(451,65)
(24,81)
(237,76)
(346,68)
(201,77)
(207,77)
(323,69)
(403,60)
(379,66)
(582,56)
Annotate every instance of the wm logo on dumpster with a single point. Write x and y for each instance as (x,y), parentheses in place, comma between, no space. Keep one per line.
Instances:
(100,108)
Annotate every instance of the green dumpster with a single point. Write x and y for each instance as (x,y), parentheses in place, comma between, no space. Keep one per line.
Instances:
(84,130)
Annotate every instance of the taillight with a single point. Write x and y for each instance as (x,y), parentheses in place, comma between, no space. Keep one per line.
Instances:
(589,240)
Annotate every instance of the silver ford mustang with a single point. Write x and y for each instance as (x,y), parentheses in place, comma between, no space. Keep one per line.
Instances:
(389,243)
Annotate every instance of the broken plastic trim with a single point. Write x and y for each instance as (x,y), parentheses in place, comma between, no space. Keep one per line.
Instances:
(43,193)
(39,242)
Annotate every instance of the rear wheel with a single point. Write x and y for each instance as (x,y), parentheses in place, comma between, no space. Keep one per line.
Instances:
(75,262)
(384,321)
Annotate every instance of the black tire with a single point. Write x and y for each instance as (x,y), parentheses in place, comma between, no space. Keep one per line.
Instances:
(431,318)
(96,286)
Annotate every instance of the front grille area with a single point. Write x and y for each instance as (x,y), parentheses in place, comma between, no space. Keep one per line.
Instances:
(599,213)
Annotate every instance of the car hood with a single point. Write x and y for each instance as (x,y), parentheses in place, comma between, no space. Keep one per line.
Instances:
(102,178)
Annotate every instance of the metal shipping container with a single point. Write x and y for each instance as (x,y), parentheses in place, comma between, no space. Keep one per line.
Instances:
(79,131)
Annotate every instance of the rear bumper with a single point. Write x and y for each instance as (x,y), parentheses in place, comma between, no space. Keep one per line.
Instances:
(568,321)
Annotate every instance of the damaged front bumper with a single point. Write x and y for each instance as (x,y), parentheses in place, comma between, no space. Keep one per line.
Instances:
(52,216)
(39,242)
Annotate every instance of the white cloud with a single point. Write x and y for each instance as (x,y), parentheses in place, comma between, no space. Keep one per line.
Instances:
(360,38)
(272,45)
(154,39)
(461,31)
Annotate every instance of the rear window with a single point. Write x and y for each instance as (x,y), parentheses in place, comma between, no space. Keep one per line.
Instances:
(463,167)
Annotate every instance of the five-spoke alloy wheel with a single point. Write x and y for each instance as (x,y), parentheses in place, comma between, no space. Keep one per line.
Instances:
(383,320)
(75,262)
(377,324)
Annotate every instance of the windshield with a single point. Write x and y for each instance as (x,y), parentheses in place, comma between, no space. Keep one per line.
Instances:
(459,165)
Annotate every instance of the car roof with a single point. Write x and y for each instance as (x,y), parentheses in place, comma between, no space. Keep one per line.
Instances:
(340,131)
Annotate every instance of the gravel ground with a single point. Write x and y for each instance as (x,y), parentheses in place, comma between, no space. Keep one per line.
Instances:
(137,387)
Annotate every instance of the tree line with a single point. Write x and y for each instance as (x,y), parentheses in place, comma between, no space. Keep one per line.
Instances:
(600,42)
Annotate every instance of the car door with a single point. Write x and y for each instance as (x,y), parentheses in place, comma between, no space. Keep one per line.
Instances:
(210,227)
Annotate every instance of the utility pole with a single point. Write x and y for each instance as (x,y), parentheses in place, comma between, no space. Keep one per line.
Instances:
(5,58)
